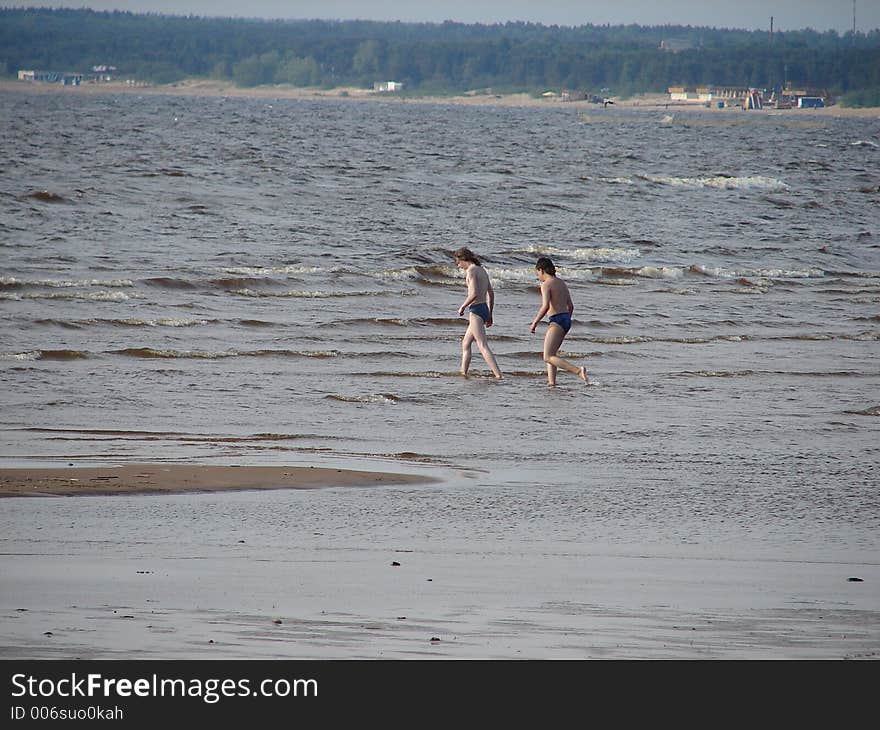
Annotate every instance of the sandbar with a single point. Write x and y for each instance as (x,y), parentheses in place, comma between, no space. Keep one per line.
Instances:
(179,478)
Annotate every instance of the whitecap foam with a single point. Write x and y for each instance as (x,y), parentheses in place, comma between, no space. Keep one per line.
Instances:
(599,255)
(612,180)
(305,294)
(100,296)
(162,322)
(266,270)
(659,272)
(407,274)
(20,356)
(65,283)
(527,274)
(863,337)
(721,182)
(723,273)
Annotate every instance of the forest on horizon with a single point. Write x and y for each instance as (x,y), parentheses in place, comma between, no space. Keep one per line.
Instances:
(438,58)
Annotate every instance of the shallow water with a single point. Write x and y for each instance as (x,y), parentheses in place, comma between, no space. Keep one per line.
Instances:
(232,280)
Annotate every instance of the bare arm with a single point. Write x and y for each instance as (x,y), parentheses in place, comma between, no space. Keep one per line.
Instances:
(490,295)
(545,306)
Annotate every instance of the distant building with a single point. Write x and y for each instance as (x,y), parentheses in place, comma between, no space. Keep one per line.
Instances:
(708,94)
(810,102)
(567,95)
(51,77)
(680,93)
(387,86)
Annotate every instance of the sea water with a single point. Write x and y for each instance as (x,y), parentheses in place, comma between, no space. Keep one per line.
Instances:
(253,281)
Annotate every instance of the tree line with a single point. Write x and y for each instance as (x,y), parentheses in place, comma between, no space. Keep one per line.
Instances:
(437,57)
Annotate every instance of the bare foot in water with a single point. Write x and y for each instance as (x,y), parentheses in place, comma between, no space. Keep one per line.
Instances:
(582,374)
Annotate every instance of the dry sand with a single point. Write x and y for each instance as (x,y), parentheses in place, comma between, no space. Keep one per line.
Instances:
(177,478)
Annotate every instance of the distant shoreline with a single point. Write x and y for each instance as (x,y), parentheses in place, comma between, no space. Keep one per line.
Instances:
(198,87)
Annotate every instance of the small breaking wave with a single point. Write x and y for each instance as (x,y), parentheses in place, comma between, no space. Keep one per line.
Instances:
(404,322)
(863,337)
(407,274)
(35,355)
(646,272)
(101,296)
(527,274)
(384,398)
(723,273)
(154,353)
(315,294)
(714,373)
(599,255)
(129,322)
(719,182)
(9,282)
(293,270)
(871,411)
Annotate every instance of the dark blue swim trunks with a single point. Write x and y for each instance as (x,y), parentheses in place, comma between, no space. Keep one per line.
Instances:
(481,310)
(563,319)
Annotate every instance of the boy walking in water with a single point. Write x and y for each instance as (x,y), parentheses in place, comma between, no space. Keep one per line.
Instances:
(555,300)
(479,304)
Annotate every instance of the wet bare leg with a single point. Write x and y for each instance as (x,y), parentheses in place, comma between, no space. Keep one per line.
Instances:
(478,330)
(552,340)
(466,343)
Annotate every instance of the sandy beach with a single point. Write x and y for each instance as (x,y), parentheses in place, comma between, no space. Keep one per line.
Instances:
(212,88)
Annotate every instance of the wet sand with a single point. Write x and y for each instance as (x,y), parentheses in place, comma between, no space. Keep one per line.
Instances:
(179,478)
(381,603)
(185,574)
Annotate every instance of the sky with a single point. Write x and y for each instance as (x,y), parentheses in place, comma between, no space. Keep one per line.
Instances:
(749,14)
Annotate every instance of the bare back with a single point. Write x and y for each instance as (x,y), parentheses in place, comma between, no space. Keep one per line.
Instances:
(478,283)
(555,291)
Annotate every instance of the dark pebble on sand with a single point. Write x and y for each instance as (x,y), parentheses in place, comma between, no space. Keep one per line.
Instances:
(277,621)
(395,564)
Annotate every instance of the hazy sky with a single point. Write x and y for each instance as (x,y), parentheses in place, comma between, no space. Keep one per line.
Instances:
(751,14)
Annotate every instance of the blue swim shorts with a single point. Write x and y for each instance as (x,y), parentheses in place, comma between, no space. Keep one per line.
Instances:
(563,319)
(481,310)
